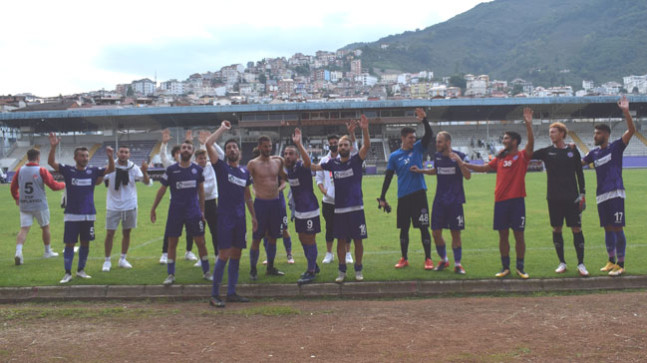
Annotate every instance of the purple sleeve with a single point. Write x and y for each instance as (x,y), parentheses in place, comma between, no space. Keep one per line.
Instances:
(164,178)
(588,158)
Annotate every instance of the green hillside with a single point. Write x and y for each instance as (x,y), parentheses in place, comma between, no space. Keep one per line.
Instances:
(549,42)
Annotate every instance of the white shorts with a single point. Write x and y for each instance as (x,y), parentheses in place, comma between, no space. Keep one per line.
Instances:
(27,218)
(128,219)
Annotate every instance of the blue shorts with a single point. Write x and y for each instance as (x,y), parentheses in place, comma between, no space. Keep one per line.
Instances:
(284,213)
(612,212)
(447,216)
(231,231)
(350,225)
(510,213)
(268,216)
(174,223)
(307,225)
(83,230)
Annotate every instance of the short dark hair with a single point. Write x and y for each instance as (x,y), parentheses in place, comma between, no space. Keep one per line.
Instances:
(32,154)
(333,137)
(200,152)
(79,149)
(175,150)
(188,142)
(264,138)
(230,141)
(406,131)
(445,135)
(124,147)
(603,127)
(514,136)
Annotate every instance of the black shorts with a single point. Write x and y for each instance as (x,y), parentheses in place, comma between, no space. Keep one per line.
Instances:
(413,207)
(328,211)
(564,209)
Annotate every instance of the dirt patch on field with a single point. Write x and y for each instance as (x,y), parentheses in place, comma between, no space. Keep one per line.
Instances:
(598,327)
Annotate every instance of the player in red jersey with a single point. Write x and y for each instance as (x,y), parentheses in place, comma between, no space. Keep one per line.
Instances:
(509,207)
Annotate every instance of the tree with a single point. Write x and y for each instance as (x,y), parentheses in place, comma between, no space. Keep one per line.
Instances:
(458,80)
(262,78)
(517,89)
(130,92)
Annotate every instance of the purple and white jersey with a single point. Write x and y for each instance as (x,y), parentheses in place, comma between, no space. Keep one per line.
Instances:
(80,191)
(184,183)
(449,189)
(232,182)
(348,183)
(608,169)
(305,201)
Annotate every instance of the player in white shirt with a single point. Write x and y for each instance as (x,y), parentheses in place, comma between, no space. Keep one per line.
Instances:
(121,203)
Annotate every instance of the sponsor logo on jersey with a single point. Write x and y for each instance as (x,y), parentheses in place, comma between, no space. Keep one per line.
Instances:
(236,180)
(185,184)
(446,170)
(341,174)
(81,182)
(603,160)
(294,182)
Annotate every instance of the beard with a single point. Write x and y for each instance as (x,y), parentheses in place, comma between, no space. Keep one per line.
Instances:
(344,153)
(232,158)
(265,153)
(185,157)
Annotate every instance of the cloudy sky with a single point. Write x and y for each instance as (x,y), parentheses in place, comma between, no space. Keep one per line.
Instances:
(52,47)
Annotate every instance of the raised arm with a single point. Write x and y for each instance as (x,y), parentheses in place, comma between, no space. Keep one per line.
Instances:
(111,161)
(421,115)
(209,142)
(146,178)
(366,139)
(623,103)
(53,142)
(166,137)
(530,145)
(296,139)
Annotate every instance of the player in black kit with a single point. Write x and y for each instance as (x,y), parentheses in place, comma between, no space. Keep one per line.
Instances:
(565,193)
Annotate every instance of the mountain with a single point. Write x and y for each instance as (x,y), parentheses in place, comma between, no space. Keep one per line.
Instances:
(548,42)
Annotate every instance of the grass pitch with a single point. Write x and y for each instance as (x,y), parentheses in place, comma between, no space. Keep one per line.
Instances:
(382,249)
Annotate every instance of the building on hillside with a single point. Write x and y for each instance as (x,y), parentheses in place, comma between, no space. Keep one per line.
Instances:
(144,87)
(356,67)
(635,83)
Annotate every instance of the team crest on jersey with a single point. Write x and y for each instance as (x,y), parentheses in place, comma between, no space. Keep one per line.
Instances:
(194,171)
(88,171)
(570,154)
(515,157)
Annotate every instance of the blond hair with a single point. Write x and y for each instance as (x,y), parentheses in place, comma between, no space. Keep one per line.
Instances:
(559,126)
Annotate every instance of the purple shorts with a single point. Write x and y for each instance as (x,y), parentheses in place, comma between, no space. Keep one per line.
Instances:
(612,212)
(231,231)
(510,213)
(194,226)
(307,225)
(83,230)
(350,225)
(268,216)
(447,216)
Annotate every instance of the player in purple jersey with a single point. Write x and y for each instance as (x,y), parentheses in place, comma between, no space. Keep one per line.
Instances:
(607,159)
(80,213)
(349,206)
(447,210)
(306,209)
(187,207)
(265,171)
(234,193)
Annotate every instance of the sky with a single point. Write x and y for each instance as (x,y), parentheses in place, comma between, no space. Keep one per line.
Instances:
(63,47)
